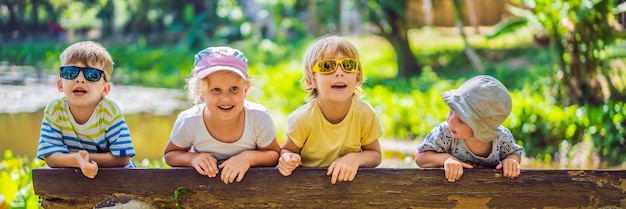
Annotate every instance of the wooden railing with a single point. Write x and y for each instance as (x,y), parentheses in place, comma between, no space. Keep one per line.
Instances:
(311,188)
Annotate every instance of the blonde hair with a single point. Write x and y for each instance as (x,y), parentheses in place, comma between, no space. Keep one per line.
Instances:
(321,49)
(88,52)
(196,86)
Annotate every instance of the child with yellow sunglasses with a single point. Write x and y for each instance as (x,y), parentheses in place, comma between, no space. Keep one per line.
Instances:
(335,128)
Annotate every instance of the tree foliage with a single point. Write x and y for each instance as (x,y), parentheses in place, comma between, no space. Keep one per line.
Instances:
(579,33)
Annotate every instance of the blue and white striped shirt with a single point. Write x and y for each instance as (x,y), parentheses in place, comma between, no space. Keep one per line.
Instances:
(105,131)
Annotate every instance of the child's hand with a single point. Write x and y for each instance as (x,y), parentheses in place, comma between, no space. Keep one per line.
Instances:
(344,168)
(89,168)
(205,164)
(511,167)
(235,167)
(288,162)
(454,168)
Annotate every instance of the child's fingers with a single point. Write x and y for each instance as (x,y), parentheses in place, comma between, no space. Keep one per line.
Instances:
(205,167)
(295,159)
(453,174)
(346,175)
(351,176)
(511,170)
(333,177)
(467,165)
(288,162)
(212,170)
(508,171)
(228,176)
(200,170)
(290,158)
(240,176)
(334,173)
(499,166)
(84,155)
(448,172)
(284,159)
(211,166)
(331,168)
(285,169)
(90,169)
(457,174)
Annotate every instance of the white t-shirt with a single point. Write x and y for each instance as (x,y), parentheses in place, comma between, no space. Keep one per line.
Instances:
(189,130)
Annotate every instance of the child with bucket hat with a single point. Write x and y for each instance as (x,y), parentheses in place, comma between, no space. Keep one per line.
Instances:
(223,131)
(472,135)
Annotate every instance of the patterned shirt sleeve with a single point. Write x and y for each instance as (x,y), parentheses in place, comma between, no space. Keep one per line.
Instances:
(50,137)
(437,140)
(507,143)
(117,133)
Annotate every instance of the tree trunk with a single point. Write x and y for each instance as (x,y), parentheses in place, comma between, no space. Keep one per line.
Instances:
(469,51)
(582,81)
(106,16)
(35,27)
(13,24)
(408,64)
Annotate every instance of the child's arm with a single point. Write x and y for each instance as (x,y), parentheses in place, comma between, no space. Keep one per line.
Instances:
(431,159)
(107,160)
(510,165)
(345,168)
(63,160)
(236,166)
(264,156)
(80,159)
(452,166)
(290,158)
(204,163)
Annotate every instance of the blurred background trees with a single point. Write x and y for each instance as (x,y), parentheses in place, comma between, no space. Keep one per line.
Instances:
(579,51)
(564,62)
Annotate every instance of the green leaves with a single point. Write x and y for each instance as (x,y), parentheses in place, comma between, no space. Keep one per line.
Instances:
(178,204)
(16,182)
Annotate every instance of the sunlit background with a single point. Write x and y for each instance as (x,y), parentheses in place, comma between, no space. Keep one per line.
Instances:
(562,61)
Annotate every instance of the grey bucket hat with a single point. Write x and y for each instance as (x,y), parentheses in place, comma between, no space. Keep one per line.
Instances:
(483,103)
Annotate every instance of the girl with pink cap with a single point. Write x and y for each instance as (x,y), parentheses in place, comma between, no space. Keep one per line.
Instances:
(223,133)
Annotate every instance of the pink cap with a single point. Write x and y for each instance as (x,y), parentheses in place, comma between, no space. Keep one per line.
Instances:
(214,59)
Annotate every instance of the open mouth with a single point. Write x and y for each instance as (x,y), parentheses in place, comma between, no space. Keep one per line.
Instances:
(79,91)
(226,107)
(339,86)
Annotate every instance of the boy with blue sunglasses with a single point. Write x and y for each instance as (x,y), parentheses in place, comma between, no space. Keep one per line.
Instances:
(83,129)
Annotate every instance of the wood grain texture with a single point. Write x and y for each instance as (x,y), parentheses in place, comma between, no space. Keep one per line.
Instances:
(311,188)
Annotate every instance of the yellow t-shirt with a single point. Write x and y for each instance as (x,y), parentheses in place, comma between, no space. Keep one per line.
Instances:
(322,142)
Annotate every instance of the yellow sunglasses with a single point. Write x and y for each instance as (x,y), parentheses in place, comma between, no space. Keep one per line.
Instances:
(328,66)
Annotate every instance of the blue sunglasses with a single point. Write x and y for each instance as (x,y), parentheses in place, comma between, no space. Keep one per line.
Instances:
(91,74)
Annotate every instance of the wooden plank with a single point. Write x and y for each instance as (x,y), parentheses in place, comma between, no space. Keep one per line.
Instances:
(311,188)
